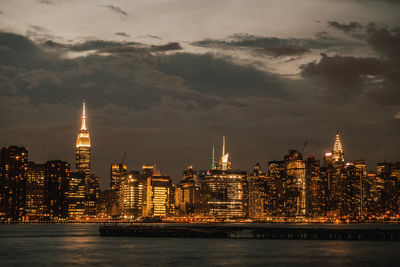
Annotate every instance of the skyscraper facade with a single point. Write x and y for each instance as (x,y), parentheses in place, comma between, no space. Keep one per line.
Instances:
(315,189)
(132,195)
(76,197)
(57,175)
(36,208)
(92,194)
(159,195)
(82,154)
(295,184)
(118,172)
(187,193)
(13,167)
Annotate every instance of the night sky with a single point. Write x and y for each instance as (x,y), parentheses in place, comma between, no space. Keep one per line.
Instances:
(165,79)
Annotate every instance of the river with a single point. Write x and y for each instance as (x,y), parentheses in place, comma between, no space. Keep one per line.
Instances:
(81,245)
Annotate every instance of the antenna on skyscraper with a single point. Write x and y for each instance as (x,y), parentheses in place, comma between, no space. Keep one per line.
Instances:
(213,158)
(124,158)
(223,145)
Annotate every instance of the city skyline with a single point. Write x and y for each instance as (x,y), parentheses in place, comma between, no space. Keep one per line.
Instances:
(166,85)
(83,142)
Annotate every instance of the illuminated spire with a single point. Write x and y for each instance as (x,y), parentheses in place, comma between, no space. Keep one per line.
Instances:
(338,145)
(83,117)
(212,158)
(83,139)
(223,145)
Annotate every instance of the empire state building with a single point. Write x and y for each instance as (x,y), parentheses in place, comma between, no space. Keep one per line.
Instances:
(82,155)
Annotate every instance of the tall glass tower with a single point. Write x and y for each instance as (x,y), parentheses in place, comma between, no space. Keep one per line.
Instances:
(82,155)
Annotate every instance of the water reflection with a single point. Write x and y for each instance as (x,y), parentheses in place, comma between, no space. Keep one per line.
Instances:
(80,245)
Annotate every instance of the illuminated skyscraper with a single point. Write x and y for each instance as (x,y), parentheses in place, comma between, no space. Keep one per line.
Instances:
(295,184)
(277,174)
(315,188)
(35,195)
(187,193)
(82,155)
(333,174)
(159,195)
(337,153)
(261,194)
(92,195)
(117,173)
(13,166)
(351,200)
(222,193)
(76,196)
(56,184)
(222,190)
(132,195)
(133,192)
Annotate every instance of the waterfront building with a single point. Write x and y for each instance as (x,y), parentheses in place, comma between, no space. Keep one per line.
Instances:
(295,198)
(92,195)
(107,200)
(35,209)
(13,167)
(76,195)
(117,173)
(277,173)
(57,175)
(222,193)
(187,193)
(351,201)
(261,194)
(315,189)
(159,195)
(388,187)
(132,195)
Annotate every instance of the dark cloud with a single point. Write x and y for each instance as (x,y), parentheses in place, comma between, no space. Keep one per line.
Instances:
(352,26)
(377,79)
(344,73)
(384,41)
(97,45)
(47,2)
(223,77)
(286,51)
(153,36)
(16,50)
(167,47)
(117,9)
(277,46)
(53,44)
(123,34)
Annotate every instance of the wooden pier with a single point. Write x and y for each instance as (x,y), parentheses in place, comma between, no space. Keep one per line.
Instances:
(249,232)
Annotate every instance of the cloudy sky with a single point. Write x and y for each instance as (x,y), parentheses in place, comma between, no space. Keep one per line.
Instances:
(164,79)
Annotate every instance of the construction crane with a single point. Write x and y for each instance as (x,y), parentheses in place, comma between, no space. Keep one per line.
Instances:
(304,146)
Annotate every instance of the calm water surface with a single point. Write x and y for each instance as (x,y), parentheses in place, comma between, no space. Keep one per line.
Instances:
(80,245)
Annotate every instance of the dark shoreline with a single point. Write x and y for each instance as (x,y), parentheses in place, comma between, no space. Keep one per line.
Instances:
(250,232)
